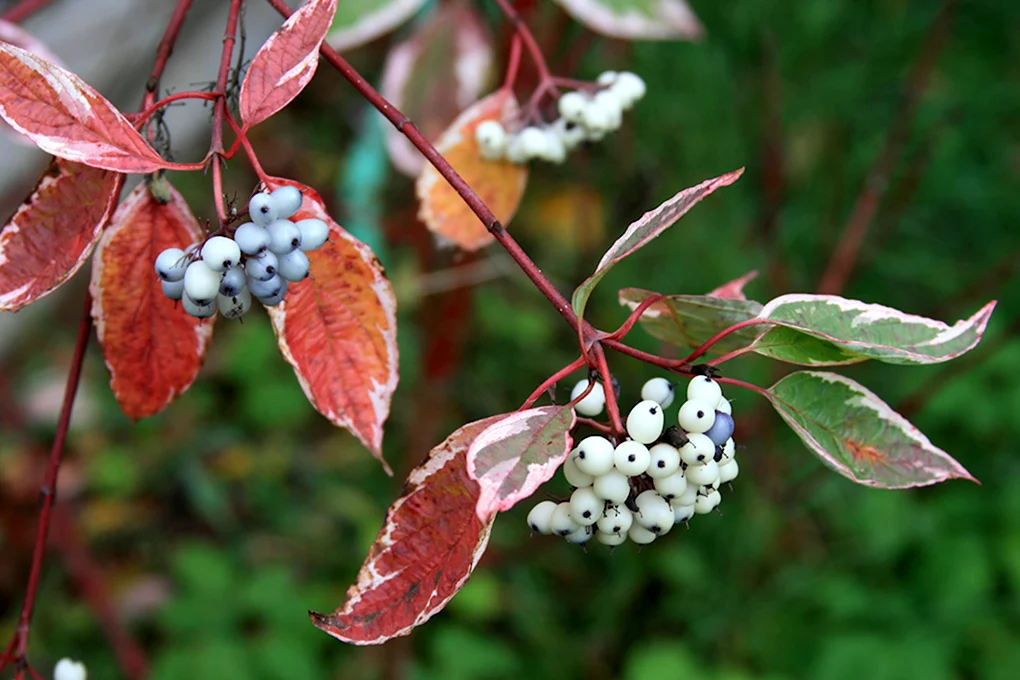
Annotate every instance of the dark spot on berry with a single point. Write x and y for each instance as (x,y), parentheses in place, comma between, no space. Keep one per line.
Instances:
(701,457)
(617,529)
(656,529)
(631,457)
(533,527)
(295,242)
(264,210)
(586,514)
(662,464)
(580,454)
(718,454)
(701,414)
(653,410)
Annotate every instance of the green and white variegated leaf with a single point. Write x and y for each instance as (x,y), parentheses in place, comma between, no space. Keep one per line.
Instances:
(869,331)
(857,434)
(794,347)
(358,22)
(514,456)
(637,19)
(689,320)
(650,225)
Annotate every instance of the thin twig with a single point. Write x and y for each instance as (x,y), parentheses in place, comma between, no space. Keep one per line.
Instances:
(23,10)
(216,145)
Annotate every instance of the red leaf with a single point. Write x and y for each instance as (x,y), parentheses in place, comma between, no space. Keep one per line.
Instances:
(338,329)
(67,118)
(19,37)
(54,230)
(734,290)
(152,347)
(286,62)
(439,71)
(431,541)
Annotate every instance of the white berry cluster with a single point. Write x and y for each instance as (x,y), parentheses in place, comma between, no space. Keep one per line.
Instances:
(657,477)
(261,260)
(68,669)
(584,117)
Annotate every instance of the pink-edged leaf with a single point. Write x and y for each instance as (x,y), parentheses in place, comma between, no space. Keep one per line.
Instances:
(857,434)
(286,62)
(358,23)
(734,290)
(637,19)
(500,183)
(53,232)
(338,329)
(19,37)
(153,348)
(433,75)
(67,118)
(650,225)
(514,456)
(868,331)
(431,541)
(689,320)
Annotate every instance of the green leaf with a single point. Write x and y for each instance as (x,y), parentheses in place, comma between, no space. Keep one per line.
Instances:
(690,320)
(869,331)
(650,225)
(361,21)
(857,434)
(795,347)
(636,19)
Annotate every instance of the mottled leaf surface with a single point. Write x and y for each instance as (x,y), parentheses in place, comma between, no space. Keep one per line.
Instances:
(19,37)
(435,74)
(514,456)
(361,21)
(647,228)
(500,184)
(689,320)
(636,19)
(874,331)
(338,329)
(431,541)
(67,118)
(153,348)
(857,434)
(286,62)
(53,232)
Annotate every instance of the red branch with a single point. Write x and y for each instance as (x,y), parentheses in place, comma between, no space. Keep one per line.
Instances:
(23,10)
(163,52)
(552,380)
(844,257)
(216,146)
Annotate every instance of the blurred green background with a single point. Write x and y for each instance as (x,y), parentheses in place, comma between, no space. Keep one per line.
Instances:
(212,528)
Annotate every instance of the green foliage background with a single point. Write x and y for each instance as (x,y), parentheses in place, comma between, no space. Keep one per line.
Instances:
(240,508)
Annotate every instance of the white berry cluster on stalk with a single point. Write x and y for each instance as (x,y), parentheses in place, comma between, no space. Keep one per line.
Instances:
(261,259)
(583,117)
(68,669)
(658,476)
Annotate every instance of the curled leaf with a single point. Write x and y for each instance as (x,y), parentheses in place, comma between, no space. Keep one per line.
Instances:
(734,290)
(65,117)
(500,184)
(637,19)
(515,455)
(431,541)
(53,232)
(153,348)
(286,62)
(338,329)
(857,434)
(358,23)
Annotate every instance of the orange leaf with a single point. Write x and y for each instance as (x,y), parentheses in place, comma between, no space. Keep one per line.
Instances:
(338,329)
(52,233)
(499,184)
(153,350)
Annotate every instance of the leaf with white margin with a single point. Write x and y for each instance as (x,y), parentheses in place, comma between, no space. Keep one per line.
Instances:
(514,456)
(637,19)
(358,23)
(857,434)
(430,543)
(875,331)
(640,233)
(734,290)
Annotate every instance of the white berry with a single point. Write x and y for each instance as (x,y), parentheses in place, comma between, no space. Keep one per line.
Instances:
(585,506)
(67,669)
(276,298)
(174,290)
(658,389)
(201,283)
(703,388)
(606,78)
(573,474)
(572,106)
(688,497)
(644,422)
(263,267)
(314,233)
(681,513)
(561,523)
(262,210)
(728,471)
(570,133)
(704,474)
(594,456)
(492,139)
(698,449)
(665,460)
(287,201)
(171,264)
(265,289)
(232,282)
(614,486)
(555,149)
(696,415)
(540,517)
(293,266)
(729,451)
(221,253)
(284,236)
(706,504)
(515,151)
(672,486)
(597,118)
(533,142)
(592,404)
(251,238)
(581,535)
(724,406)
(654,512)
(197,310)
(638,534)
(629,87)
(631,458)
(612,540)
(616,520)
(234,306)
(609,101)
